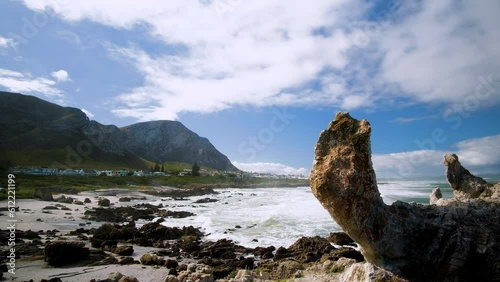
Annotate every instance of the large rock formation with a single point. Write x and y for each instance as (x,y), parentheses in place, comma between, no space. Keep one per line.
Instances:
(457,242)
(465,185)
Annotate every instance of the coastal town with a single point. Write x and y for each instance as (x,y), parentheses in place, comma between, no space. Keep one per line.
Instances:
(146,173)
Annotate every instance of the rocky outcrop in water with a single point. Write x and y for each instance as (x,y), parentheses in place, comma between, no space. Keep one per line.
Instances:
(456,242)
(465,185)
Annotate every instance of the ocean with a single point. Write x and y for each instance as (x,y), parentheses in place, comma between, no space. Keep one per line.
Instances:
(280,216)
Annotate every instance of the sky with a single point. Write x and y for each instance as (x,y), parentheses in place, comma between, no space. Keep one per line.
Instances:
(261,79)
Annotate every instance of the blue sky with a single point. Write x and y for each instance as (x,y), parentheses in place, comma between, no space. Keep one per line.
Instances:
(261,79)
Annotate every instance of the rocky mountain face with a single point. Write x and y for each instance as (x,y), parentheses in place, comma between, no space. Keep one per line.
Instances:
(29,123)
(162,141)
(450,240)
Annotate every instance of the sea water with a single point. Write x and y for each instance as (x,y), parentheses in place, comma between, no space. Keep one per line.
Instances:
(280,216)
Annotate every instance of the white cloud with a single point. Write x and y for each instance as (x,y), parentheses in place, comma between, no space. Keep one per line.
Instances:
(256,53)
(7,42)
(439,53)
(405,120)
(270,52)
(478,155)
(88,113)
(275,168)
(25,83)
(60,75)
(480,151)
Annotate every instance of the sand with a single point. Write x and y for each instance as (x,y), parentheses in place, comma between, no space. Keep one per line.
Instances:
(32,216)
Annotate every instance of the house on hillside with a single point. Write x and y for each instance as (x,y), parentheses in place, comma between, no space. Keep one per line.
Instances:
(138,173)
(107,172)
(122,172)
(71,172)
(91,172)
(19,170)
(42,171)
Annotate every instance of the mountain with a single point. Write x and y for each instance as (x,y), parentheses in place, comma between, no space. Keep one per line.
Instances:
(37,132)
(165,140)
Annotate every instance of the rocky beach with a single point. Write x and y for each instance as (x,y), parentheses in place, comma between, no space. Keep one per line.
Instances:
(85,237)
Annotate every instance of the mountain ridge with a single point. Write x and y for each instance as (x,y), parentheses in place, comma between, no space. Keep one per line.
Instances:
(31,123)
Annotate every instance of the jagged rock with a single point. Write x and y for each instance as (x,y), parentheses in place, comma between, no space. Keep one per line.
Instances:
(463,183)
(436,195)
(104,202)
(59,253)
(124,250)
(458,242)
(340,238)
(287,269)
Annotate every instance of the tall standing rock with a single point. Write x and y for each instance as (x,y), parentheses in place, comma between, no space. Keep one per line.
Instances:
(464,184)
(459,242)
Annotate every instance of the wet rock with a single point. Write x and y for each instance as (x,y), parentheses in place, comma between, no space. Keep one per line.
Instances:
(344,252)
(457,242)
(340,238)
(175,214)
(119,214)
(205,201)
(151,259)
(264,252)
(306,249)
(124,250)
(58,253)
(158,232)
(50,208)
(127,260)
(87,201)
(104,202)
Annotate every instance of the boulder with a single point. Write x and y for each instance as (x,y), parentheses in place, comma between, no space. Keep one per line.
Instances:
(465,185)
(58,253)
(124,250)
(456,242)
(44,194)
(340,238)
(104,202)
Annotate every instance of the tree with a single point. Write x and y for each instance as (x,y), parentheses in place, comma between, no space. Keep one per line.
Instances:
(157,167)
(162,169)
(195,170)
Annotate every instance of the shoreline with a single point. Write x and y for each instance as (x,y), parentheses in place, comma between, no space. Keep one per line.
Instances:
(56,225)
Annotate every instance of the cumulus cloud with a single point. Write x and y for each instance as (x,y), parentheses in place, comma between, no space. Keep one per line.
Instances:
(27,84)
(7,42)
(274,168)
(480,155)
(292,53)
(441,52)
(60,75)
(88,113)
